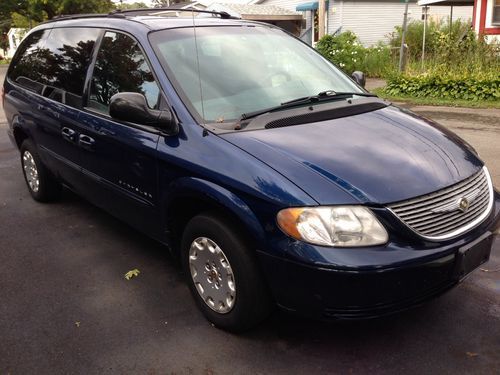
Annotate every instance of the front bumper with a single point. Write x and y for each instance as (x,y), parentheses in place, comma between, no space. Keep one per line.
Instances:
(398,277)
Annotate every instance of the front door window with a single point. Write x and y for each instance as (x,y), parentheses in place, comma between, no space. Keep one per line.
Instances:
(121,67)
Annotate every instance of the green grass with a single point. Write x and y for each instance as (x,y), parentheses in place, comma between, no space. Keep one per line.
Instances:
(4,62)
(438,101)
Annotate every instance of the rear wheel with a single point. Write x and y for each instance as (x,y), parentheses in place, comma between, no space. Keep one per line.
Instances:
(42,185)
(223,274)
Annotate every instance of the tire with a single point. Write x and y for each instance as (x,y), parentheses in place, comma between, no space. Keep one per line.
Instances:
(250,302)
(41,183)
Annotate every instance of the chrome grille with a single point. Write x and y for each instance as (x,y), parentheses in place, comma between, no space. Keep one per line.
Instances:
(445,213)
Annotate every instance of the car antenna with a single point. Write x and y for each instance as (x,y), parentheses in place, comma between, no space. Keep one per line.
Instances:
(198,67)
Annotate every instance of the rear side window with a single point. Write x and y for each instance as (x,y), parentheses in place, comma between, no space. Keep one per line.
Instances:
(26,67)
(121,67)
(56,66)
(64,62)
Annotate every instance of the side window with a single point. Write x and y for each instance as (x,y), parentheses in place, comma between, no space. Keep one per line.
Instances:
(121,67)
(496,13)
(55,65)
(26,66)
(64,62)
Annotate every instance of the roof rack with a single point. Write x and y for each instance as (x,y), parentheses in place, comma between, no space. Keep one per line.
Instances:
(64,17)
(173,9)
(119,13)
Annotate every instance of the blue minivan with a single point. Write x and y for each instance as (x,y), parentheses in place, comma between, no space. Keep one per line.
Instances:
(276,179)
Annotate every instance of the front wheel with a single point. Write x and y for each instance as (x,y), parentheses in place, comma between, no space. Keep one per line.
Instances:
(223,274)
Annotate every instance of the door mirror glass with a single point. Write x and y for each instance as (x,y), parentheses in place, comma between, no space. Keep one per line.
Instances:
(133,107)
(359,78)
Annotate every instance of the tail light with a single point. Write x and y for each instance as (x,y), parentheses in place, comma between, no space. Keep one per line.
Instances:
(2,95)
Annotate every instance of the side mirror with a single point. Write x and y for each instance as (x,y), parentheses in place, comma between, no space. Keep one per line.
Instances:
(359,78)
(133,107)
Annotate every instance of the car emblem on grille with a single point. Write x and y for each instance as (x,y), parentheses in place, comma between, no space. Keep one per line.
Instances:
(461,204)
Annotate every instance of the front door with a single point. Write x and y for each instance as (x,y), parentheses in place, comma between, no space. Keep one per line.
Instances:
(120,164)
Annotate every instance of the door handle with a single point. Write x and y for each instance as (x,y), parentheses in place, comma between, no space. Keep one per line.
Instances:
(86,142)
(68,134)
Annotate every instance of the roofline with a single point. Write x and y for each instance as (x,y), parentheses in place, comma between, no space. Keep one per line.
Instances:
(271,17)
(129,13)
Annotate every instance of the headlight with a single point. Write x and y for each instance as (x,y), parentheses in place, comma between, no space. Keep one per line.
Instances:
(339,226)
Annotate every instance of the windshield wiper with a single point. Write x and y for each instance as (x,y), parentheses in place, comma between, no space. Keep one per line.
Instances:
(322,96)
(325,95)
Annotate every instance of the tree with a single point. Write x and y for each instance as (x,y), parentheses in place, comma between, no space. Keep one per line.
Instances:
(28,13)
(9,7)
(60,7)
(40,10)
(136,5)
(167,3)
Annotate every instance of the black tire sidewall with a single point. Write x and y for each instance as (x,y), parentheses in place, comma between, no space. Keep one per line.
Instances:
(252,303)
(49,188)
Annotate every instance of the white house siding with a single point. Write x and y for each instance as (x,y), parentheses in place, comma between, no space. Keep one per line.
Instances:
(373,21)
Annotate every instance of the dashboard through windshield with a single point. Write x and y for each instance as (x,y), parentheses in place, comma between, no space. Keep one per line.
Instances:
(224,72)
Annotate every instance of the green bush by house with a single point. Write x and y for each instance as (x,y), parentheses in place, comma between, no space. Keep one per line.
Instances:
(475,88)
(345,51)
(458,65)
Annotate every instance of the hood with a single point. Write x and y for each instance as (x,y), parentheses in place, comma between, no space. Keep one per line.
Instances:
(377,157)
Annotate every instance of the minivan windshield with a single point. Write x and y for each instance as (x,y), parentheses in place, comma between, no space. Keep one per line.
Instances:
(226,71)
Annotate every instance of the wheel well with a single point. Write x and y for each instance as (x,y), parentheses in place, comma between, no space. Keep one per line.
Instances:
(184,209)
(19,136)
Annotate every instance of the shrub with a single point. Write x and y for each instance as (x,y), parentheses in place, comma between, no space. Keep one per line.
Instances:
(438,35)
(378,61)
(449,86)
(343,50)
(458,64)
(456,47)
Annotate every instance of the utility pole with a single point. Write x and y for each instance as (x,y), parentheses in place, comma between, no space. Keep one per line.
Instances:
(321,19)
(403,35)
(451,19)
(424,37)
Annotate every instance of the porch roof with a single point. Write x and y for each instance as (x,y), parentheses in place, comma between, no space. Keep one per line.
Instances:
(446,2)
(313,5)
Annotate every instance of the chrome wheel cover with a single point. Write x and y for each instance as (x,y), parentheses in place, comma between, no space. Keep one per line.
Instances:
(212,275)
(31,171)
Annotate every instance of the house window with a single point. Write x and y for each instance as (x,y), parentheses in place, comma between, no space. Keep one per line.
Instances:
(496,12)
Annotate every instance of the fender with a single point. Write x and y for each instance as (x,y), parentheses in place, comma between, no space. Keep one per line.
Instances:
(205,190)
(14,117)
(18,124)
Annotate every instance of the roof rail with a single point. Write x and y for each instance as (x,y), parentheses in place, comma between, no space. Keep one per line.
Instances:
(173,9)
(119,13)
(64,17)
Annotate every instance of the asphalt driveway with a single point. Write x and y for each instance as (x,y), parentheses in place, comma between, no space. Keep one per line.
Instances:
(65,306)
